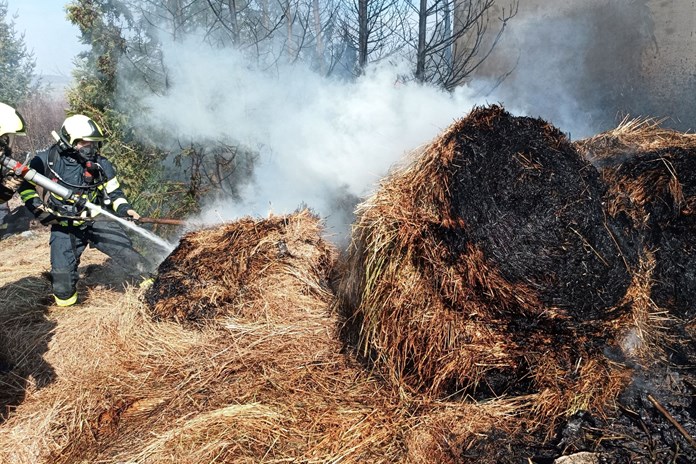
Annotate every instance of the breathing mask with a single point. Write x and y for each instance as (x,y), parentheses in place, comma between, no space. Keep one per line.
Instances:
(89,152)
(6,141)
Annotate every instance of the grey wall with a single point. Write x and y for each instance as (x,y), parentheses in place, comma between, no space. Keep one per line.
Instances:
(670,64)
(584,64)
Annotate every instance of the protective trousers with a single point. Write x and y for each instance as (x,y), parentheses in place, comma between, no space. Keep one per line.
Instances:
(68,244)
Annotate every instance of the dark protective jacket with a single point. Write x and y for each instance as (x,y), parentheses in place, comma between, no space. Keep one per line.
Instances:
(96,183)
(6,193)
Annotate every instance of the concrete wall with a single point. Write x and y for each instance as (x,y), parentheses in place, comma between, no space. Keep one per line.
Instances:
(587,63)
(670,64)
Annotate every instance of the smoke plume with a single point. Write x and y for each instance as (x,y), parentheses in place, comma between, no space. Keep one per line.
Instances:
(325,142)
(586,64)
(322,142)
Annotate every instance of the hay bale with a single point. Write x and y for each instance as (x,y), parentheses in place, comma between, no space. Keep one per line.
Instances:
(470,267)
(218,271)
(651,176)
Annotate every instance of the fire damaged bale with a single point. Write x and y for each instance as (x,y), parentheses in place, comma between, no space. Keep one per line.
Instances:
(649,172)
(532,205)
(651,176)
(487,267)
(223,270)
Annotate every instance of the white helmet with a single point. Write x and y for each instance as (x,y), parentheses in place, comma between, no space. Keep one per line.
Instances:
(80,127)
(11,122)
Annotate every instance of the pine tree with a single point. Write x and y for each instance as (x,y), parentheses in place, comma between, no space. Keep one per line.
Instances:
(16,63)
(103,24)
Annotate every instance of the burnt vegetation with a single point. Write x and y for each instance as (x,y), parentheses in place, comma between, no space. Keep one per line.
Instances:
(652,178)
(508,297)
(215,272)
(501,263)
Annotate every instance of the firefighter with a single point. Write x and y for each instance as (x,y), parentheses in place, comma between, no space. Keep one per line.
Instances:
(11,125)
(75,162)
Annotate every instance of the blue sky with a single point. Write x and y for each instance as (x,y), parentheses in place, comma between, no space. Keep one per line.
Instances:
(53,39)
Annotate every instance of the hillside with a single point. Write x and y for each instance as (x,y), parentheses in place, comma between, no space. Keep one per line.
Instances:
(57,84)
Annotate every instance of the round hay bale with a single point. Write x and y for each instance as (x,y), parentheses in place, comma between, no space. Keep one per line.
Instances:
(532,205)
(651,178)
(471,266)
(238,268)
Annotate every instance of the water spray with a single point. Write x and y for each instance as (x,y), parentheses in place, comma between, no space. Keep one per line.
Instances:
(132,226)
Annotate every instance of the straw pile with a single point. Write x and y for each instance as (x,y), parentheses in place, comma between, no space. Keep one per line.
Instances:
(260,379)
(651,174)
(266,383)
(118,386)
(473,266)
(219,271)
(488,267)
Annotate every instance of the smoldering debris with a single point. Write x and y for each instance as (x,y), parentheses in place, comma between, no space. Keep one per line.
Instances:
(650,172)
(490,266)
(470,266)
(215,272)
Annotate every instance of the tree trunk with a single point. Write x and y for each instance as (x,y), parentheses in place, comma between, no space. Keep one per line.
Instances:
(174,7)
(363,34)
(420,52)
(232,5)
(447,11)
(289,20)
(319,35)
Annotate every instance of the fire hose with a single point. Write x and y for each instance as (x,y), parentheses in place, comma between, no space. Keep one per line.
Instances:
(34,177)
(42,181)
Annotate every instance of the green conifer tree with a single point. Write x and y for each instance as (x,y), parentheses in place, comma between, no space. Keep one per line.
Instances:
(17,64)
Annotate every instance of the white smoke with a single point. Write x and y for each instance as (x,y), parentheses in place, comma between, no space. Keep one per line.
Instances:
(577,64)
(319,138)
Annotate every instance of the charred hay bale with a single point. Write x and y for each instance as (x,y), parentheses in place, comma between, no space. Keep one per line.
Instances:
(651,177)
(237,268)
(649,172)
(471,267)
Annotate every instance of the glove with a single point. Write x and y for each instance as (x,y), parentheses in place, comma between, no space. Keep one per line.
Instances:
(45,217)
(133,214)
(9,184)
(12,182)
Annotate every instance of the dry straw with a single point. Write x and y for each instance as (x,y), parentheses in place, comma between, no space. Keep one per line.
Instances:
(262,381)
(235,357)
(487,267)
(651,176)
